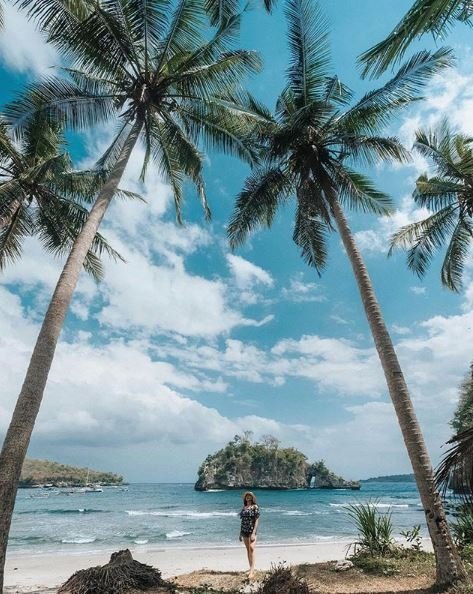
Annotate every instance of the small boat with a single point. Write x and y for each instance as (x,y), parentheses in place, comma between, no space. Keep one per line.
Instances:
(91,489)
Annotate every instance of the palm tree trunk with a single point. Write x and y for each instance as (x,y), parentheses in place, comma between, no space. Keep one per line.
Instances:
(449,564)
(21,427)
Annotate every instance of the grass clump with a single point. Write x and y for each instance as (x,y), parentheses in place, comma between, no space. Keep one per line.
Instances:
(282,580)
(399,561)
(375,530)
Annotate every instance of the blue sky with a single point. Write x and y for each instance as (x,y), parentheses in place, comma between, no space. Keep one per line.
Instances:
(187,344)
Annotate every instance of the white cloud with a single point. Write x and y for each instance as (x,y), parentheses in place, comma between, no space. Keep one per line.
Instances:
(418,290)
(247,274)
(247,278)
(23,47)
(400,330)
(377,241)
(301,291)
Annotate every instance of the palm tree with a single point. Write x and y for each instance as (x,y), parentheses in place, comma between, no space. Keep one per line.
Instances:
(152,71)
(425,16)
(456,468)
(448,194)
(40,195)
(314,137)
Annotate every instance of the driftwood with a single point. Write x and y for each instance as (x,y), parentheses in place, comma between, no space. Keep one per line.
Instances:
(120,575)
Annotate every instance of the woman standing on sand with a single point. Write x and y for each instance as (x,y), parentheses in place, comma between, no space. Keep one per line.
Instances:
(249,523)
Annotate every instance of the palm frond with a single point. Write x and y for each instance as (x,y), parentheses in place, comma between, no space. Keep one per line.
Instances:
(257,203)
(222,41)
(219,128)
(59,101)
(357,192)
(337,92)
(13,234)
(42,140)
(309,50)
(184,33)
(370,150)
(215,78)
(457,253)
(436,192)
(310,231)
(220,11)
(424,237)
(58,223)
(168,161)
(425,16)
(441,145)
(56,16)
(377,107)
(456,466)
(148,21)
(179,150)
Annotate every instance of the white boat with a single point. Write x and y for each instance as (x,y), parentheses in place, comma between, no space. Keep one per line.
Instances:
(91,489)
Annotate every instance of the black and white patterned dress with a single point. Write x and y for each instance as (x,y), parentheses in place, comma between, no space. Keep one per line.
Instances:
(248,516)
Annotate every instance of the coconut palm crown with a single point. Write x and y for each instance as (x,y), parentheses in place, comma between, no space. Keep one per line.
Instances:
(316,137)
(425,16)
(149,69)
(448,195)
(309,153)
(41,195)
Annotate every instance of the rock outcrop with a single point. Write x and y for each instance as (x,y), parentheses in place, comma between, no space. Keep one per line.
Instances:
(243,464)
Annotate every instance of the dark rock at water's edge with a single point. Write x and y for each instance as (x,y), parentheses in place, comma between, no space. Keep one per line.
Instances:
(243,464)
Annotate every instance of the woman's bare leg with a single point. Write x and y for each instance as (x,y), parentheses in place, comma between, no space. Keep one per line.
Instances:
(246,540)
(251,555)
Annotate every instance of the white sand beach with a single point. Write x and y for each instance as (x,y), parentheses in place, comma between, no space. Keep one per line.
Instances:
(35,572)
(40,572)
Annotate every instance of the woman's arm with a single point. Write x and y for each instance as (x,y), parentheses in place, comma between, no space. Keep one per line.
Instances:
(253,534)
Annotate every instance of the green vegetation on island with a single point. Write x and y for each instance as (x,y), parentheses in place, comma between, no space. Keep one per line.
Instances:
(243,464)
(391,478)
(46,472)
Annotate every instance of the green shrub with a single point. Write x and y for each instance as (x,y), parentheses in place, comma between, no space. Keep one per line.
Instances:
(413,537)
(462,528)
(374,565)
(375,530)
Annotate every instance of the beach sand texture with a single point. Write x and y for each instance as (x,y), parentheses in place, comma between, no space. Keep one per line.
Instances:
(44,572)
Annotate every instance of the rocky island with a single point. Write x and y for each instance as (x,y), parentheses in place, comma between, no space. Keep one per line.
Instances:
(243,464)
(53,474)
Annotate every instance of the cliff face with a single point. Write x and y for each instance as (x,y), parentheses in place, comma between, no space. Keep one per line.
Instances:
(245,465)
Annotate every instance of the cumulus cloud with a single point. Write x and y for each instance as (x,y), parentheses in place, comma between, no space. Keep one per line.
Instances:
(301,291)
(22,47)
(247,274)
(376,241)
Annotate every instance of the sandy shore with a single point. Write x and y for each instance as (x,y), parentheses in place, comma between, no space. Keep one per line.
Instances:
(40,572)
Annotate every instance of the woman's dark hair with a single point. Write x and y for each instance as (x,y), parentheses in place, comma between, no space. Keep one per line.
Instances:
(249,494)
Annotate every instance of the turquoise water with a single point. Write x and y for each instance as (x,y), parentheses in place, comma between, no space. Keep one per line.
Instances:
(164,515)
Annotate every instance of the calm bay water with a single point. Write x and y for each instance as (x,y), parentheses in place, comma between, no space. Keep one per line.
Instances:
(164,515)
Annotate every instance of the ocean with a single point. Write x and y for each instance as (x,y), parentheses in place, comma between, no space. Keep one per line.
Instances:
(174,515)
